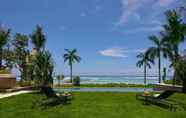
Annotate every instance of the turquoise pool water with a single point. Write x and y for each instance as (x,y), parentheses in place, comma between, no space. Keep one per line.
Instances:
(103,89)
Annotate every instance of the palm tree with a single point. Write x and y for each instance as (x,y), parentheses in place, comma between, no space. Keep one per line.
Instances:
(157,50)
(43,68)
(4,38)
(174,33)
(146,61)
(21,51)
(38,38)
(71,57)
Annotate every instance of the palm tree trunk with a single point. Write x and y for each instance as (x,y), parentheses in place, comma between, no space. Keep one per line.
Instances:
(174,62)
(145,79)
(1,55)
(71,73)
(159,67)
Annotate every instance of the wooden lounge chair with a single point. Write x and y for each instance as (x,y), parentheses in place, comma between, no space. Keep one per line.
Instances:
(50,93)
(160,99)
(52,98)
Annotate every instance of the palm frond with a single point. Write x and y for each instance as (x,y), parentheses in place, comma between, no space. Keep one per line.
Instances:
(155,40)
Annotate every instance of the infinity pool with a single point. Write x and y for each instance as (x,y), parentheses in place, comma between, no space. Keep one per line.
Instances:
(103,89)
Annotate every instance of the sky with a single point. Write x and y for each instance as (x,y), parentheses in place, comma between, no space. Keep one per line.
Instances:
(108,34)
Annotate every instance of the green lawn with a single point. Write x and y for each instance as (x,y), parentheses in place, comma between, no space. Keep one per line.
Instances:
(88,105)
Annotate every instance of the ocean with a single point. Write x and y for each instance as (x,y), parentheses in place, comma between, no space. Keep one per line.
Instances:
(114,79)
(111,79)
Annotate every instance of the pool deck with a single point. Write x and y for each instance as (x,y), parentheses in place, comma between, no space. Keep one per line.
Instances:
(5,95)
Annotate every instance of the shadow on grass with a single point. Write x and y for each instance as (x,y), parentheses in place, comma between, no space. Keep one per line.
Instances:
(165,106)
(44,102)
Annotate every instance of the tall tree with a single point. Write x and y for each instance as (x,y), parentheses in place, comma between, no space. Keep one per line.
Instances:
(71,57)
(4,38)
(174,33)
(21,51)
(43,68)
(157,50)
(145,61)
(38,38)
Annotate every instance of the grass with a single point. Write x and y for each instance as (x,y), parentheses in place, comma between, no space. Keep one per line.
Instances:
(109,85)
(88,105)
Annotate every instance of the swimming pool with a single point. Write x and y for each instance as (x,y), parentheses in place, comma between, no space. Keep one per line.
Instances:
(103,89)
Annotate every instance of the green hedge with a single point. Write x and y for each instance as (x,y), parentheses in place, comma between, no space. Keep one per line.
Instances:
(4,71)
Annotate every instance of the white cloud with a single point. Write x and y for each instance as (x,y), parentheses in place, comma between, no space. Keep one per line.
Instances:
(164,3)
(119,52)
(128,8)
(62,28)
(143,29)
(82,14)
(114,52)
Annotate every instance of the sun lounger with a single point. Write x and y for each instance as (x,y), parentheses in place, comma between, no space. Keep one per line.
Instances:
(160,99)
(52,97)
(50,93)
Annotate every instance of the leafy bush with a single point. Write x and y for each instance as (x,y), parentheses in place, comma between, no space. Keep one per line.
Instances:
(24,83)
(59,78)
(43,68)
(4,71)
(180,72)
(76,81)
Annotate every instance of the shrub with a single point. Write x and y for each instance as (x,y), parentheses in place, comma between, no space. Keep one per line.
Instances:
(76,81)
(4,71)
(180,72)
(24,83)
(59,78)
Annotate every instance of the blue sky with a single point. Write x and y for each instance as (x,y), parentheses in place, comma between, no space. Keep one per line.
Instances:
(108,34)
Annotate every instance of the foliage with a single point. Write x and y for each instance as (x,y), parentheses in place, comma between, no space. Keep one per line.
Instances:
(9,57)
(146,61)
(38,38)
(174,33)
(71,57)
(157,50)
(76,81)
(180,71)
(43,68)
(21,51)
(4,71)
(4,39)
(164,74)
(59,78)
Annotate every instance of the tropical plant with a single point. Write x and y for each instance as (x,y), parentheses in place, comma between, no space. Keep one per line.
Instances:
(164,74)
(59,78)
(174,34)
(146,61)
(21,52)
(157,51)
(4,38)
(71,57)
(76,81)
(38,38)
(43,69)
(180,72)
(9,57)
